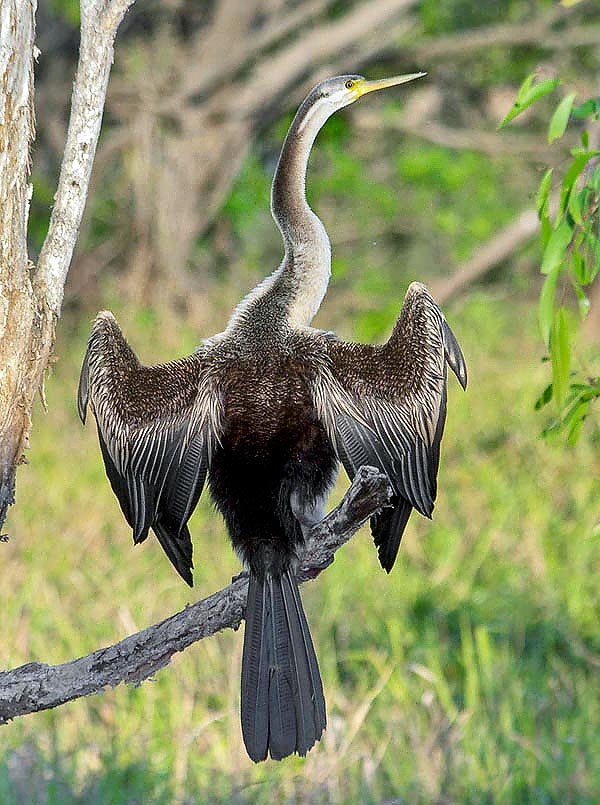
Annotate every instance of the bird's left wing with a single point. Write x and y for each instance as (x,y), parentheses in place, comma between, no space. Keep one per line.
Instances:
(156,426)
(385,406)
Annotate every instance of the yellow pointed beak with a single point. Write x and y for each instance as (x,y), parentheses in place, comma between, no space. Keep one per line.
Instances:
(363,87)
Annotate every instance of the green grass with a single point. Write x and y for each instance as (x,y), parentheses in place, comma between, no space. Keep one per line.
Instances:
(468,674)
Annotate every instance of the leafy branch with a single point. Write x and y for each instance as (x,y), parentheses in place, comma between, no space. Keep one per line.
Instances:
(570,238)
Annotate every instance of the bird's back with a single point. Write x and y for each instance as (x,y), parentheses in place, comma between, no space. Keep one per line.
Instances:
(272,446)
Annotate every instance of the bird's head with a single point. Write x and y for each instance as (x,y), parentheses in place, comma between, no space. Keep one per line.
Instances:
(339,91)
(342,90)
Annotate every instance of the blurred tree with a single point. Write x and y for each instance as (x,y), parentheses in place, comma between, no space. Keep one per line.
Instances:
(196,84)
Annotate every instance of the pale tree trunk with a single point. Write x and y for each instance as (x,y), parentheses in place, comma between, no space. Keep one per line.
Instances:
(30,299)
(24,323)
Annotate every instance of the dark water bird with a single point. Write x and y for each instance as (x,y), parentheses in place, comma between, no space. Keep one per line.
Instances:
(266,410)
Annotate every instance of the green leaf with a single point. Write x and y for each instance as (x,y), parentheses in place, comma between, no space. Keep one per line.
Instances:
(578,267)
(544,398)
(546,230)
(593,256)
(574,205)
(587,109)
(590,259)
(585,138)
(560,118)
(546,304)
(527,95)
(556,248)
(577,420)
(578,151)
(541,198)
(582,300)
(577,166)
(560,355)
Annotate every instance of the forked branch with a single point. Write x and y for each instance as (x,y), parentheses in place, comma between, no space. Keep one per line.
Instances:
(38,686)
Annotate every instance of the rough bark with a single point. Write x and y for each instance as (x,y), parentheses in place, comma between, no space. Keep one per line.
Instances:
(22,323)
(37,686)
(30,300)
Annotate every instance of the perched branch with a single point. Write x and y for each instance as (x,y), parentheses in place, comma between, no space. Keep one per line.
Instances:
(37,686)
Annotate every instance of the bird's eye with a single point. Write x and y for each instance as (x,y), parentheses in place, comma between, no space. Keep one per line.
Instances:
(349,84)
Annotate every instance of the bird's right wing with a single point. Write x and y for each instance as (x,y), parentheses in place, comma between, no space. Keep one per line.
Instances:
(156,426)
(385,406)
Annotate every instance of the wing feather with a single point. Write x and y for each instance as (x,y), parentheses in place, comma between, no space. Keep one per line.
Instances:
(155,426)
(385,406)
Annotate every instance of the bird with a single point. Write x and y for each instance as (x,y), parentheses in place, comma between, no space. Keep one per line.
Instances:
(265,412)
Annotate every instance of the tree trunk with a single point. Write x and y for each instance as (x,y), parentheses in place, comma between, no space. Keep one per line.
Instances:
(26,326)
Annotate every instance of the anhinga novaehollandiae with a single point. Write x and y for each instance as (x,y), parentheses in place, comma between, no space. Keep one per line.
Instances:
(267,409)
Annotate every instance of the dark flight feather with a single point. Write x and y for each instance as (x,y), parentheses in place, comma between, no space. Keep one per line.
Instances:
(153,438)
(385,406)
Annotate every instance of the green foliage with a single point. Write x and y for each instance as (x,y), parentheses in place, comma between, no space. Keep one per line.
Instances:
(444,16)
(528,94)
(443,182)
(571,255)
(67,9)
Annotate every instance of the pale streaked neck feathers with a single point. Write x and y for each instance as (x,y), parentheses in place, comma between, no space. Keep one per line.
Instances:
(295,290)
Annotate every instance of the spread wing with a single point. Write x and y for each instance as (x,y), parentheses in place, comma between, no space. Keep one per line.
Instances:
(385,406)
(155,433)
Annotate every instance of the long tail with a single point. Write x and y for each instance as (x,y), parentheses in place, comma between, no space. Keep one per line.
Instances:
(283,707)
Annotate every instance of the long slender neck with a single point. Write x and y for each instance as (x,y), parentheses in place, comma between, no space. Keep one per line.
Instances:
(289,207)
(293,293)
(306,267)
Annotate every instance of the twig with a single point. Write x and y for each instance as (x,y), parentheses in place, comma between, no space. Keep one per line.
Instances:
(38,686)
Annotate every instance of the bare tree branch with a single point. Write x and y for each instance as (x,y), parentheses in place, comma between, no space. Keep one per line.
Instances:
(217,88)
(498,249)
(37,686)
(99,23)
(487,142)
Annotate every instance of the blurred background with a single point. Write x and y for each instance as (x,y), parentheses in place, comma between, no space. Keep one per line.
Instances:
(471,672)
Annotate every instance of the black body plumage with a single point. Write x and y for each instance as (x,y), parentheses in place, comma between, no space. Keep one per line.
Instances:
(273,450)
(265,411)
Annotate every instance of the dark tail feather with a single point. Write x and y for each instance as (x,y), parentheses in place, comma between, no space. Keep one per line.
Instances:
(283,707)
